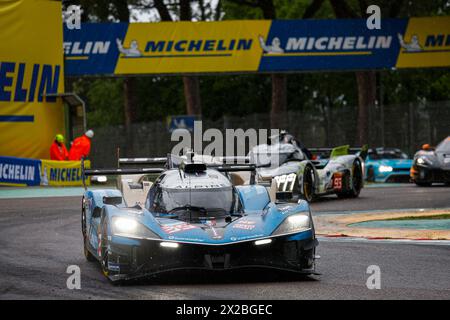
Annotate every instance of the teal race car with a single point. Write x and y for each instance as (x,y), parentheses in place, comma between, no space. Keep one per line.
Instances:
(387,165)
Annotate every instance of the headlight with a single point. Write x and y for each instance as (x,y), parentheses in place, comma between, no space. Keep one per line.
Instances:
(169,245)
(385,169)
(129,227)
(420,161)
(295,223)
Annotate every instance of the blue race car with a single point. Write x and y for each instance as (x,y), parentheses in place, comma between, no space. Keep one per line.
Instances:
(387,165)
(192,217)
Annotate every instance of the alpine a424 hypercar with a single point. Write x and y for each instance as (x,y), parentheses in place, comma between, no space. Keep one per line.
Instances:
(432,164)
(192,217)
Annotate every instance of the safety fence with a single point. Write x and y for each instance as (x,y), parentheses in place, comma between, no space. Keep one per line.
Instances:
(405,126)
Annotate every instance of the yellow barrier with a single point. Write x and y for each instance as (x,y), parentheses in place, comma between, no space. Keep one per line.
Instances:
(62,173)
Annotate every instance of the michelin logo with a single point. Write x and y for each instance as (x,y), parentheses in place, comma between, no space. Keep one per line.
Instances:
(16,172)
(412,46)
(89,47)
(274,48)
(434,43)
(326,44)
(132,51)
(202,47)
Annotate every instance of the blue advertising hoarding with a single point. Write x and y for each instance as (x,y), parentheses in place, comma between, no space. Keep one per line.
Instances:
(92,49)
(19,171)
(331,45)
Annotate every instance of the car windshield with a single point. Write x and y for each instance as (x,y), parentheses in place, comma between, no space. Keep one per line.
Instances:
(210,202)
(444,146)
(389,154)
(275,155)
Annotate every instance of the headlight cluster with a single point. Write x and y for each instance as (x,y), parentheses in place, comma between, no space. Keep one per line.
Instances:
(385,168)
(423,161)
(295,223)
(129,227)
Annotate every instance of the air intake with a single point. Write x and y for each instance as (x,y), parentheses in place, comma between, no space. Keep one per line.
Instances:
(193,167)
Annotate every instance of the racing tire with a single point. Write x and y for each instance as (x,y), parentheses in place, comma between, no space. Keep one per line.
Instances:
(357,182)
(370,174)
(104,247)
(87,254)
(307,187)
(307,258)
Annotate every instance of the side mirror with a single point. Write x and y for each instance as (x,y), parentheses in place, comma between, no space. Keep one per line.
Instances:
(283,196)
(112,200)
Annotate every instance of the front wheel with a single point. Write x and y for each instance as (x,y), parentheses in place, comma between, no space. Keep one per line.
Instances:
(307,186)
(89,256)
(371,174)
(103,246)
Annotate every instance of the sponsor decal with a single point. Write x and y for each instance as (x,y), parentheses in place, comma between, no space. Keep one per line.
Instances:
(208,47)
(17,171)
(244,224)
(113,266)
(246,237)
(337,181)
(186,239)
(177,227)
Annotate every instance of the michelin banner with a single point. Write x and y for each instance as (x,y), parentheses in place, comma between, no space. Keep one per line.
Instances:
(255,46)
(19,172)
(62,173)
(34,172)
(31,66)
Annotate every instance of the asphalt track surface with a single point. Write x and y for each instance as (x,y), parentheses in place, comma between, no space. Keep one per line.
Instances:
(40,238)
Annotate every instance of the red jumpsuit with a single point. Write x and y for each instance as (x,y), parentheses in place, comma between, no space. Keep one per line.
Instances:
(58,151)
(81,147)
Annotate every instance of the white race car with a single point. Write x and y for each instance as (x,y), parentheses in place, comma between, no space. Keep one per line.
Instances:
(296,176)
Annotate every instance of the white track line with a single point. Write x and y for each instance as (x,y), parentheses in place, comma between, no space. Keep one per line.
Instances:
(384,241)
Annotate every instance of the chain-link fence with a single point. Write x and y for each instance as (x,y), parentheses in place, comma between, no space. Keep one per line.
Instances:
(406,126)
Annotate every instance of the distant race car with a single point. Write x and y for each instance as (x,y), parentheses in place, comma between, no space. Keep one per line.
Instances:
(387,165)
(192,217)
(432,164)
(297,176)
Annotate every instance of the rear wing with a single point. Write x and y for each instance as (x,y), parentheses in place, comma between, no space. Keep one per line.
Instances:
(116,171)
(105,172)
(141,161)
(342,150)
(234,160)
(226,168)
(184,166)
